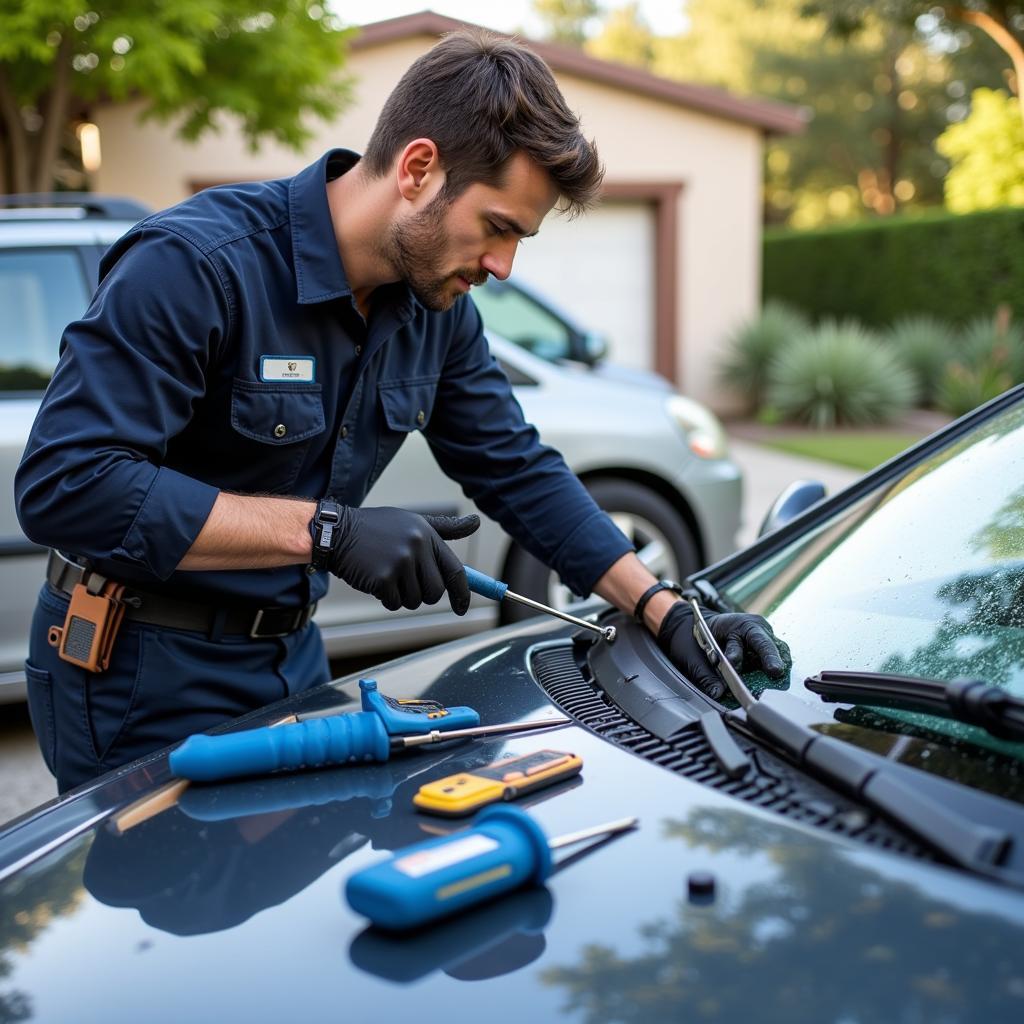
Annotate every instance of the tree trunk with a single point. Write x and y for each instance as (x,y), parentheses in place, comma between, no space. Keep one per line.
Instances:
(54,118)
(1003,38)
(17,179)
(895,144)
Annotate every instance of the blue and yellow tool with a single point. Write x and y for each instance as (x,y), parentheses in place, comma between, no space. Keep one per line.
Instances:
(504,779)
(504,849)
(383,726)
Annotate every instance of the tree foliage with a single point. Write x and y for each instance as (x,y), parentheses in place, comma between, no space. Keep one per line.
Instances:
(986,151)
(1001,20)
(566,20)
(877,97)
(270,64)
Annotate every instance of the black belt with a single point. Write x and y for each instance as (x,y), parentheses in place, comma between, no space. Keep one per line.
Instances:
(174,613)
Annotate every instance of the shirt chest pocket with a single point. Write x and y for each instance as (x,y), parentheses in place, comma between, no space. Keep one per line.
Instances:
(404,406)
(274,425)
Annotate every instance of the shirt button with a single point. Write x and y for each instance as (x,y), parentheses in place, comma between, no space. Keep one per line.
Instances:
(280,430)
(421,417)
(359,350)
(344,433)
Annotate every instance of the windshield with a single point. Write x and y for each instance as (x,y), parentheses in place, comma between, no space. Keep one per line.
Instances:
(924,576)
(40,292)
(523,320)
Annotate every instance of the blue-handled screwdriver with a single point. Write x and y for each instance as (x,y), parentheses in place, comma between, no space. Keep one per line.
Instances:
(482,584)
(315,743)
(505,849)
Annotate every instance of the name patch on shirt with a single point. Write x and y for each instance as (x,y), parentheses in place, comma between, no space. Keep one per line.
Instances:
(297,368)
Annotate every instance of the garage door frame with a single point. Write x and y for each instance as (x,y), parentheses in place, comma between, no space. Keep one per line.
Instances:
(664,197)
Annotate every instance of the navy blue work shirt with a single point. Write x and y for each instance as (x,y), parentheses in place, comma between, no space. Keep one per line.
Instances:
(223,350)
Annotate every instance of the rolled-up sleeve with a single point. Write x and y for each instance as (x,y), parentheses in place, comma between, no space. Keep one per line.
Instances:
(91,480)
(480,438)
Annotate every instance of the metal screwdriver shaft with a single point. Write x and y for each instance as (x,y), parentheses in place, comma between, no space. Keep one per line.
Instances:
(609,828)
(400,742)
(485,586)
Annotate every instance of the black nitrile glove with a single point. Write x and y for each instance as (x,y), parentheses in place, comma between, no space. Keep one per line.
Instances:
(746,640)
(400,557)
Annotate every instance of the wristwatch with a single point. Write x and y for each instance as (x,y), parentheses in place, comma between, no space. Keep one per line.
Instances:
(324,529)
(655,588)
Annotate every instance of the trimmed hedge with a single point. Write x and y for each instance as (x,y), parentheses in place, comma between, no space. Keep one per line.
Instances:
(953,267)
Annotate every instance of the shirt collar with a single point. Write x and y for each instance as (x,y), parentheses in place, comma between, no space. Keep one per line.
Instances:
(319,273)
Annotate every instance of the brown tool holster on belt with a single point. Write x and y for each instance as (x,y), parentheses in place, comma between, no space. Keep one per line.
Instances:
(90,627)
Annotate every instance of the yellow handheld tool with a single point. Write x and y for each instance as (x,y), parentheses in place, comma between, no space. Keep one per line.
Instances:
(504,779)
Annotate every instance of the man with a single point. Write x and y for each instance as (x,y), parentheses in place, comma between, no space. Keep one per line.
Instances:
(268,340)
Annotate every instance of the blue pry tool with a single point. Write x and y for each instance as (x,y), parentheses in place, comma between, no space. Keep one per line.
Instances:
(384,725)
(504,849)
(482,584)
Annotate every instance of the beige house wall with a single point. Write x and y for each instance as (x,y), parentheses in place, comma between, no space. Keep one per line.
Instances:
(641,139)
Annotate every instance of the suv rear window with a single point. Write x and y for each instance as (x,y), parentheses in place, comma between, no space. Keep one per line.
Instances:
(41,292)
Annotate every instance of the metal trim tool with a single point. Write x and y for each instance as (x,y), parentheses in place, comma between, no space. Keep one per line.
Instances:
(486,586)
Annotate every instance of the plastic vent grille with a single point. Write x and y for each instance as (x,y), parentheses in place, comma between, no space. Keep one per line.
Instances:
(772,783)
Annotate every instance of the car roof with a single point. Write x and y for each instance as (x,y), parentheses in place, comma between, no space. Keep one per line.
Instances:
(70,206)
(42,219)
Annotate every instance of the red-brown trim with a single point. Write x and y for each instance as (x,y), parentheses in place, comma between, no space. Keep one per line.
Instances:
(198,185)
(664,197)
(768,115)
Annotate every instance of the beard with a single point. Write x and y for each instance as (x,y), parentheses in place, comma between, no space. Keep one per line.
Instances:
(416,249)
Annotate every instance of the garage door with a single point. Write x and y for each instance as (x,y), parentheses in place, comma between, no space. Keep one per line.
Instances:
(600,268)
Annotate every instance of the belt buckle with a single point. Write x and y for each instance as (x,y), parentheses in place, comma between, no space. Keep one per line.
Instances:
(254,629)
(300,618)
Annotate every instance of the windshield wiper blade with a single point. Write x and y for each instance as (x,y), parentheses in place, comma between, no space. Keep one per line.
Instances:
(972,701)
(869,779)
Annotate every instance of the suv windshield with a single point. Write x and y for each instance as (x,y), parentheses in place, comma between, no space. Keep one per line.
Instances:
(924,576)
(41,291)
(519,318)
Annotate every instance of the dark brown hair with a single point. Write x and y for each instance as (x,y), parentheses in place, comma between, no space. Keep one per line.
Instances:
(481,98)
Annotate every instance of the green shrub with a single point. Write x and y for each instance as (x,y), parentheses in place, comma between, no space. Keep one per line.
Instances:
(753,346)
(963,389)
(840,373)
(989,359)
(952,266)
(925,344)
(994,342)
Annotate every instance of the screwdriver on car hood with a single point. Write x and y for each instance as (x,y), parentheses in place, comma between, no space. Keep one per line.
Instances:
(368,735)
(484,585)
(504,849)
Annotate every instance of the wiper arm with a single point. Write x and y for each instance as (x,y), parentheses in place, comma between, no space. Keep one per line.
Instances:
(879,785)
(966,700)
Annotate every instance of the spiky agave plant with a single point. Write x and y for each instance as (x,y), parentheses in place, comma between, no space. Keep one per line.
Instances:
(925,344)
(840,373)
(753,346)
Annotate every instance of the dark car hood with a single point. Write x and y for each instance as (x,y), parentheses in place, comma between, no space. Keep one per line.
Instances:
(229,902)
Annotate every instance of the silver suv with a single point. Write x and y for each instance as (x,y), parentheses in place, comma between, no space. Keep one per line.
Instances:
(655,460)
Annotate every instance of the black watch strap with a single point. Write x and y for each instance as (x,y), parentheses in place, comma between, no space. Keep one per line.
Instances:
(323,528)
(654,588)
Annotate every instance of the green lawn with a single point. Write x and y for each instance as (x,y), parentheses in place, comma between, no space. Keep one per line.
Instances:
(861,450)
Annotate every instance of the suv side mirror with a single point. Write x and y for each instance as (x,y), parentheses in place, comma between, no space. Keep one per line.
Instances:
(796,498)
(595,347)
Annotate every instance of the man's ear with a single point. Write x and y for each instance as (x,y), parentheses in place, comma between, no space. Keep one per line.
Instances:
(418,172)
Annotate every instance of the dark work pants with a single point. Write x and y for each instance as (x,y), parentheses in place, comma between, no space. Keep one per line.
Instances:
(161,686)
